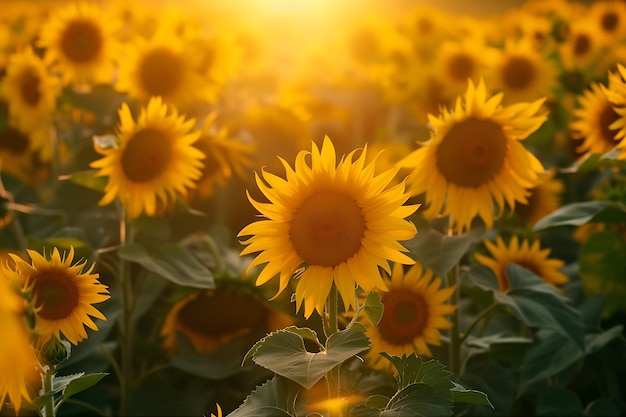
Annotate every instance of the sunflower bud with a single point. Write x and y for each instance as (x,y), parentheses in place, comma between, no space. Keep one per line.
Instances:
(55,351)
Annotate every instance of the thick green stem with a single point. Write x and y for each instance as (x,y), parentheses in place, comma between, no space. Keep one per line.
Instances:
(477,320)
(48,409)
(331,326)
(127,377)
(455,339)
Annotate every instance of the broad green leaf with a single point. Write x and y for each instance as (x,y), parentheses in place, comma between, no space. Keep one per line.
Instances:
(595,161)
(275,398)
(171,261)
(573,214)
(532,301)
(373,308)
(495,380)
(284,353)
(412,369)
(82,383)
(602,268)
(59,383)
(418,400)
(558,402)
(305,333)
(377,401)
(87,179)
(438,251)
(462,395)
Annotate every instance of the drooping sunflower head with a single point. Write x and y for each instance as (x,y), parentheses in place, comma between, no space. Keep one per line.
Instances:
(415,312)
(338,220)
(475,158)
(154,162)
(594,121)
(80,41)
(29,89)
(162,66)
(524,253)
(200,317)
(522,72)
(18,362)
(64,292)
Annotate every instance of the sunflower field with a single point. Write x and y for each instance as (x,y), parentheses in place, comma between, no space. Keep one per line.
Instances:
(260,208)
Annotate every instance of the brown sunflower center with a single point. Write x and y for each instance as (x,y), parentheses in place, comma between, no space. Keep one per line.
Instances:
(472,152)
(461,67)
(327,229)
(582,44)
(212,166)
(609,21)
(161,72)
(405,317)
(222,313)
(82,41)
(13,141)
(56,293)
(29,88)
(518,73)
(607,116)
(146,156)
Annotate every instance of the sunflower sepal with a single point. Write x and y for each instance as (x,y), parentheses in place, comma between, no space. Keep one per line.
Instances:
(55,351)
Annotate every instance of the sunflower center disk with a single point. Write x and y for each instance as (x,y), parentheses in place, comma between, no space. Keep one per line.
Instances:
(13,141)
(327,229)
(582,44)
(160,72)
(461,67)
(56,294)
(81,42)
(404,318)
(146,156)
(472,152)
(29,88)
(518,73)
(609,22)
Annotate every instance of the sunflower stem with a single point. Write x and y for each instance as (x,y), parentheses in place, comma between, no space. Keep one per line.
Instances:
(48,409)
(477,320)
(455,337)
(126,381)
(331,326)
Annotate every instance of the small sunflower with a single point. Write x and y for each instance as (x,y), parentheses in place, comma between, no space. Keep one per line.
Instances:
(29,89)
(154,162)
(200,317)
(18,363)
(594,121)
(19,149)
(337,220)
(523,73)
(414,314)
(475,156)
(581,49)
(529,255)
(163,66)
(63,294)
(79,41)
(544,198)
(610,17)
(224,154)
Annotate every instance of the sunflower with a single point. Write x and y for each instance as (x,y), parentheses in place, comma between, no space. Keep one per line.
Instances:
(224,154)
(529,255)
(18,363)
(474,156)
(29,89)
(161,66)
(338,221)
(594,121)
(581,49)
(63,293)
(19,149)
(544,198)
(522,72)
(616,94)
(610,16)
(79,40)
(415,310)
(154,162)
(200,317)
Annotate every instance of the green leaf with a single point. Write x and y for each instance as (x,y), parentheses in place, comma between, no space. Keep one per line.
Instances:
(532,301)
(462,395)
(82,250)
(573,214)
(284,353)
(412,369)
(418,400)
(305,333)
(602,407)
(373,308)
(87,179)
(439,251)
(82,383)
(171,261)
(377,401)
(595,161)
(602,268)
(275,398)
(558,402)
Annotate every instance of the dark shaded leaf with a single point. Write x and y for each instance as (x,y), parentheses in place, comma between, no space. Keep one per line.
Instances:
(275,398)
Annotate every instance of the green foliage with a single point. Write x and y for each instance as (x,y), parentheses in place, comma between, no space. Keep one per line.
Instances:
(274,398)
